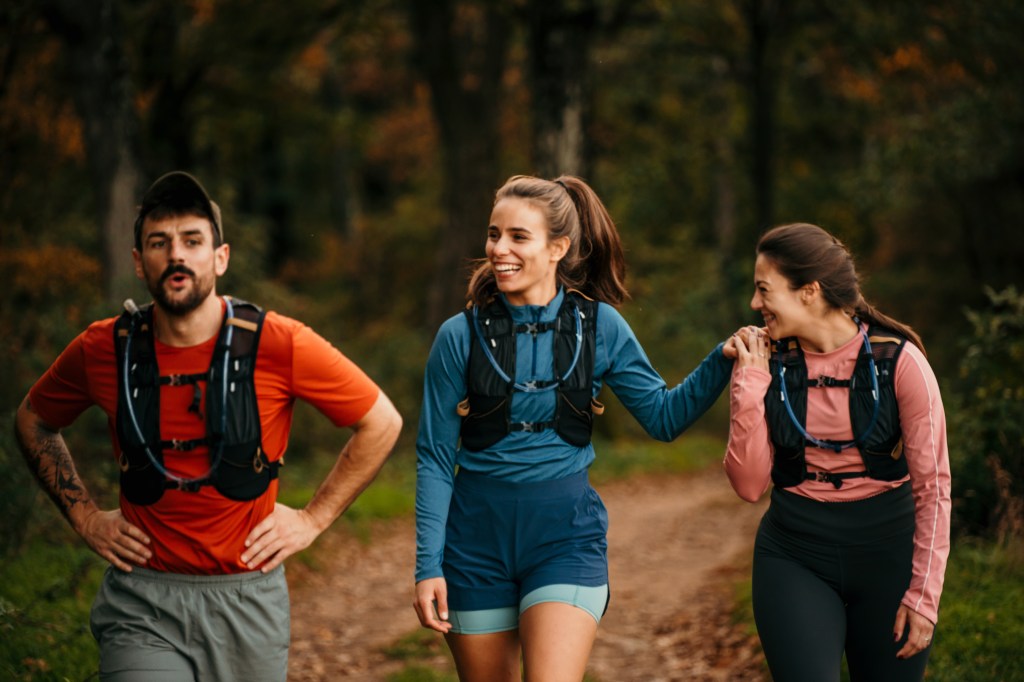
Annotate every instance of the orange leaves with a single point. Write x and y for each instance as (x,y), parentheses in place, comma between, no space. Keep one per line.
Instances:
(50,273)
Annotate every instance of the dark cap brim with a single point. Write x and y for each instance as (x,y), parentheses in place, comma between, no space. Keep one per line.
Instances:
(178,189)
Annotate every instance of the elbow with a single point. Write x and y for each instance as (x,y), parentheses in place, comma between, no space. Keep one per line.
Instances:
(748,494)
(394,424)
(746,489)
(390,418)
(397,424)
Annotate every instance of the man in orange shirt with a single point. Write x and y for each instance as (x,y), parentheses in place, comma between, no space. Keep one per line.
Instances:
(199,391)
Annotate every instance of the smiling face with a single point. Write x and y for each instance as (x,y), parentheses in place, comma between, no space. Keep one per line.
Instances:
(179,262)
(785,310)
(523,258)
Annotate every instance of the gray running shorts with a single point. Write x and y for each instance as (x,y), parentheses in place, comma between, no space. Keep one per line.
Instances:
(164,627)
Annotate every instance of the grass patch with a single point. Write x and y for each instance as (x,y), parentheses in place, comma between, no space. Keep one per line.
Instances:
(693,451)
(45,596)
(418,647)
(981,622)
(421,673)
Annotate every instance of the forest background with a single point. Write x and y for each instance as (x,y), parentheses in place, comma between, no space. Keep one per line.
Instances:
(355,148)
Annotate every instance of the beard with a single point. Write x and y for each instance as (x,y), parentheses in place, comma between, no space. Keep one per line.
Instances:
(192,298)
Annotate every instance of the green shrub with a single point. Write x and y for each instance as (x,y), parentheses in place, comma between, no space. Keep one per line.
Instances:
(986,425)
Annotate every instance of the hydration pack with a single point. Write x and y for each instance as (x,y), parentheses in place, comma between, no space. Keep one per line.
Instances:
(239,469)
(490,375)
(877,435)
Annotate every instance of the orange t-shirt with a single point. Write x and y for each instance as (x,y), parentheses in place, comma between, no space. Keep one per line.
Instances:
(204,532)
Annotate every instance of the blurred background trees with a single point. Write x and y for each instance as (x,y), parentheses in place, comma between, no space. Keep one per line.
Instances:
(355,149)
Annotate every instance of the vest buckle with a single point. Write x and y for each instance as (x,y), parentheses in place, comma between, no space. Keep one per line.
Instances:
(826,477)
(190,486)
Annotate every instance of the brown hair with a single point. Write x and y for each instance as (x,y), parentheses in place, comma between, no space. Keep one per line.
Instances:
(805,253)
(594,264)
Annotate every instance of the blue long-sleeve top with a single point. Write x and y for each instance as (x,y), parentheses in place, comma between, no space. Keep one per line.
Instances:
(620,362)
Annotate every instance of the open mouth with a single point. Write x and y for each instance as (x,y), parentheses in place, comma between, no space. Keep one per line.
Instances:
(505,269)
(177,277)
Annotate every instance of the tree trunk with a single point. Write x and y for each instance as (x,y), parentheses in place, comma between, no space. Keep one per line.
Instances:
(763,18)
(461,49)
(559,42)
(101,88)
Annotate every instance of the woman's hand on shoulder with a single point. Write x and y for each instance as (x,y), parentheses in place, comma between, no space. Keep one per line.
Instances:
(431,604)
(749,347)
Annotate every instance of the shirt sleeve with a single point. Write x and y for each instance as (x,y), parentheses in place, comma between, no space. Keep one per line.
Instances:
(748,455)
(62,393)
(444,387)
(316,371)
(664,413)
(923,422)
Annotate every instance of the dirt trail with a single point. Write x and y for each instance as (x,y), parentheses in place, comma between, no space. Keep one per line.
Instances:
(675,545)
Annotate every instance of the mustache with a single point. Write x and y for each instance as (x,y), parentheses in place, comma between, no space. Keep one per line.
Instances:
(176,270)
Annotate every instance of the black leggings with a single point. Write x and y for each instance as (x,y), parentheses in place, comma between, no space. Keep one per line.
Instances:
(828,578)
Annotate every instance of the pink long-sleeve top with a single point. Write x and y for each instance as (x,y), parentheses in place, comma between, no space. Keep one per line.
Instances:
(748,458)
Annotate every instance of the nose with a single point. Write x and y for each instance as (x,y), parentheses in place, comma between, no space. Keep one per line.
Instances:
(176,250)
(755,301)
(500,245)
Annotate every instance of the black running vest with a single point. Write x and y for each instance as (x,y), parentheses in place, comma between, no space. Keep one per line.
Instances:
(881,448)
(242,471)
(485,411)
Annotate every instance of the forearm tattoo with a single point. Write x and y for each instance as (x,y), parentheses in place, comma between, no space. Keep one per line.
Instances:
(48,458)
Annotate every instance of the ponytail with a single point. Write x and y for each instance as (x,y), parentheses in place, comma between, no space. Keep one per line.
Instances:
(595,264)
(868,313)
(597,267)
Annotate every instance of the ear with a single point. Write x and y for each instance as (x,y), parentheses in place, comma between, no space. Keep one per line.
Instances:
(221,257)
(809,293)
(559,247)
(137,258)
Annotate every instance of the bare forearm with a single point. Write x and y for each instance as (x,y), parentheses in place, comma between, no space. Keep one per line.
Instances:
(49,460)
(357,465)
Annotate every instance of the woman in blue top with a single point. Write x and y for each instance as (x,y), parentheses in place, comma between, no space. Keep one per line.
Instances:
(511,550)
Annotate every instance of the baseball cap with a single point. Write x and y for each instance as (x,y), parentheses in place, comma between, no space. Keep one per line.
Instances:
(176,191)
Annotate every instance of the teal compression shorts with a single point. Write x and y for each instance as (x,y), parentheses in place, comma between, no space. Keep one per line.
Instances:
(591,599)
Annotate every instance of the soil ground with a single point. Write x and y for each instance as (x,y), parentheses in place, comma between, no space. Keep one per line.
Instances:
(677,546)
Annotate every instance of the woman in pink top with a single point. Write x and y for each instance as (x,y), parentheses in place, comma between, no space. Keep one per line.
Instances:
(835,404)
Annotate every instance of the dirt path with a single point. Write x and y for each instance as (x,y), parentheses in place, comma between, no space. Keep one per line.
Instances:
(676,544)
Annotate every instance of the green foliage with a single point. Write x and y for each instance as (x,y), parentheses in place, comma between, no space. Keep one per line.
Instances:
(45,597)
(18,491)
(981,624)
(987,420)
(621,459)
(417,645)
